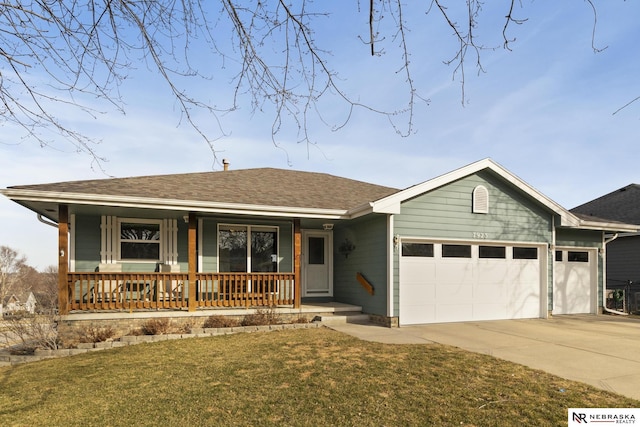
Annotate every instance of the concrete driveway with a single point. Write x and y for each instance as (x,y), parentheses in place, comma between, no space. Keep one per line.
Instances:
(603,351)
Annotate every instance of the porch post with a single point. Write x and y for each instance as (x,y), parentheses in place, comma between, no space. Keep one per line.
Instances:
(193,225)
(297,253)
(63,259)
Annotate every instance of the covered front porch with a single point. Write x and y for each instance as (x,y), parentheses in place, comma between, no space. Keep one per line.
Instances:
(109,288)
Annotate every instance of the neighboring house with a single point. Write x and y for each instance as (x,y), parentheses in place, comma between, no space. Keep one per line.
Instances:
(477,243)
(623,253)
(23,302)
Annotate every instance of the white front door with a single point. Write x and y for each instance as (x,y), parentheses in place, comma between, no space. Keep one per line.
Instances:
(317,263)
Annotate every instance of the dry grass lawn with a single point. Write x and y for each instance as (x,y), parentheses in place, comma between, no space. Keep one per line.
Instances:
(314,377)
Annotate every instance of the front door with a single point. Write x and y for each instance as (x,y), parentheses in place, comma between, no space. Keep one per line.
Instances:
(317,265)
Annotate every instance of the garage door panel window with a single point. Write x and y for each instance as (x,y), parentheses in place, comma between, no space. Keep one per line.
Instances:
(423,250)
(456,251)
(558,255)
(578,256)
(495,252)
(525,253)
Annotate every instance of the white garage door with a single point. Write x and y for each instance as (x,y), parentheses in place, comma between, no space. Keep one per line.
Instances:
(442,282)
(575,276)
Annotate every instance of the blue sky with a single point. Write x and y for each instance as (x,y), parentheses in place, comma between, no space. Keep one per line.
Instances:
(543,110)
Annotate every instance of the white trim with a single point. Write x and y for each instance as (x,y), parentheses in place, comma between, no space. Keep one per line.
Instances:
(170,253)
(160,242)
(200,242)
(108,237)
(72,242)
(390,259)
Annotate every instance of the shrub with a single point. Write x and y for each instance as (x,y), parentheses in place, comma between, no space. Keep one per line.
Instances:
(262,317)
(95,334)
(217,321)
(185,328)
(33,332)
(155,327)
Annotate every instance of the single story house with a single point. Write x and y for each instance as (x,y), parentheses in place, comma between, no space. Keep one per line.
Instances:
(623,253)
(476,243)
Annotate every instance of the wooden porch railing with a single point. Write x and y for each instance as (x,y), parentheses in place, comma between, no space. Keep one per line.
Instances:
(244,289)
(117,291)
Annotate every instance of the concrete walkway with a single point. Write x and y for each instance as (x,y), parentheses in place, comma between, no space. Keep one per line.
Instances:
(603,351)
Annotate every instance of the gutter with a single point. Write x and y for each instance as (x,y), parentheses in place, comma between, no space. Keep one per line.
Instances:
(49,223)
(604,285)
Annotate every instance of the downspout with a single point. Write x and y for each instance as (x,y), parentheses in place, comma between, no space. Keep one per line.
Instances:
(604,278)
(552,256)
(44,221)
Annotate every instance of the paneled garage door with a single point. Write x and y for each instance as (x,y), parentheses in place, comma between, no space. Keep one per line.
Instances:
(452,282)
(575,275)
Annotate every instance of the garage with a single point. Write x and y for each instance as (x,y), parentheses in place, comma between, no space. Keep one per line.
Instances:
(575,281)
(454,282)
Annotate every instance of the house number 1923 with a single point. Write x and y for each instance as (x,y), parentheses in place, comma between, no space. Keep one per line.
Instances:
(478,235)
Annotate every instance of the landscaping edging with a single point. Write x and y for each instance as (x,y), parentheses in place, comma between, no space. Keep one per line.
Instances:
(9,360)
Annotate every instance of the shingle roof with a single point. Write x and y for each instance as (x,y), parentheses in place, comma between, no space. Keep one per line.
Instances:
(621,205)
(263,186)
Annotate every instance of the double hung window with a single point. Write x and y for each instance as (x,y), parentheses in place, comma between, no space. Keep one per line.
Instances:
(140,240)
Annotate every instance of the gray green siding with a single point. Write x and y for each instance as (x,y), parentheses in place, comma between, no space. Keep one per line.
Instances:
(580,238)
(446,213)
(369,235)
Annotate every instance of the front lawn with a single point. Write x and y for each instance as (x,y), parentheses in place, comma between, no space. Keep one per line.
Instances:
(310,377)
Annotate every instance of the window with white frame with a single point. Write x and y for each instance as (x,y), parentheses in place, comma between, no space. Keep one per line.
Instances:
(140,240)
(247,248)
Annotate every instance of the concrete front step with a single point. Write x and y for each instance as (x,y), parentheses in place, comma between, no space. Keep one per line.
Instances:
(342,318)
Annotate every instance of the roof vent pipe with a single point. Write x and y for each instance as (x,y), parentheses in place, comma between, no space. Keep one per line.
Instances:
(225,164)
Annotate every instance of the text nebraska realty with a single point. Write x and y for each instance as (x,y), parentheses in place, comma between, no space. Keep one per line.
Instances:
(604,418)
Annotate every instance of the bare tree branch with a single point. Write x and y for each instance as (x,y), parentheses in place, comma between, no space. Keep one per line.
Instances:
(57,55)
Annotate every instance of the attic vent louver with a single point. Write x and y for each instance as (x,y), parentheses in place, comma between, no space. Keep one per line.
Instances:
(480,199)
